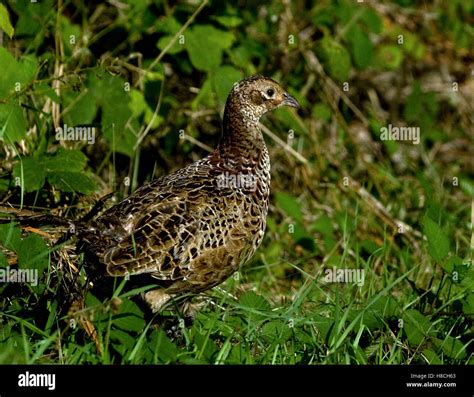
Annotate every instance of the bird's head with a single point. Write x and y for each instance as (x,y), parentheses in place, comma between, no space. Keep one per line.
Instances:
(257,95)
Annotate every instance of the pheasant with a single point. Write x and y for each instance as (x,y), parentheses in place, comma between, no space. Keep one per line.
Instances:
(192,229)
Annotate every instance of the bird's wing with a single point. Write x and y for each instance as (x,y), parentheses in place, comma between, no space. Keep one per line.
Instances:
(165,236)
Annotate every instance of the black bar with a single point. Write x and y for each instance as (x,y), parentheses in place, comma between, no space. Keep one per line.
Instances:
(243,380)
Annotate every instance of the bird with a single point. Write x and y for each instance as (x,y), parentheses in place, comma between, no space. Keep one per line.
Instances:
(192,229)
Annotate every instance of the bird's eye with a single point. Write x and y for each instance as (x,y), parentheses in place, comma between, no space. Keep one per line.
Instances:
(270,92)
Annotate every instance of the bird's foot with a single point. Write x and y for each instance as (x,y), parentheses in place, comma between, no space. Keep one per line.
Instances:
(190,310)
(157,299)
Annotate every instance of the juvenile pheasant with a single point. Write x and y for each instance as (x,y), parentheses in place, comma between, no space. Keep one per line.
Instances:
(192,229)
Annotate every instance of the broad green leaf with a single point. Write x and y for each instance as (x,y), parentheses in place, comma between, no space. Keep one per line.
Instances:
(10,236)
(130,317)
(432,357)
(467,186)
(468,305)
(451,347)
(335,58)
(223,80)
(371,19)
(162,347)
(33,253)
(205,345)
(204,44)
(12,123)
(15,75)
(3,260)
(178,45)
(70,34)
(362,48)
(81,108)
(110,93)
(417,327)
(276,331)
(167,24)
(67,181)
(254,301)
(389,57)
(5,23)
(33,175)
(438,242)
(64,160)
(123,342)
(228,21)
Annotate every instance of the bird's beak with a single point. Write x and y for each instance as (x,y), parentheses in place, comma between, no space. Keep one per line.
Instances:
(290,101)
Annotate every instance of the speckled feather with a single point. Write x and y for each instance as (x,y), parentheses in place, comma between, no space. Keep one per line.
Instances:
(189,228)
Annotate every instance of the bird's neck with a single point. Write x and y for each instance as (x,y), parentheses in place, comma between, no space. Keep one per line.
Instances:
(242,144)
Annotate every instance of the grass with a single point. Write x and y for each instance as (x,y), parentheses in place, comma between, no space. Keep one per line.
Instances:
(341,197)
(251,319)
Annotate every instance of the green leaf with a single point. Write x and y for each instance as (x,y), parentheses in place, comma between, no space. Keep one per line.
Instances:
(467,186)
(15,75)
(165,350)
(81,108)
(33,176)
(124,342)
(362,48)
(204,44)
(70,34)
(205,345)
(389,57)
(468,305)
(432,357)
(5,23)
(167,24)
(64,160)
(72,181)
(33,253)
(254,301)
(372,20)
(223,80)
(177,46)
(3,260)
(10,236)
(438,243)
(417,327)
(229,21)
(451,347)
(130,317)
(110,94)
(289,205)
(12,122)
(335,58)
(276,331)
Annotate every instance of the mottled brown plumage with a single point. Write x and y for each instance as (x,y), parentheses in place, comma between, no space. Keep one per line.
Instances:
(195,227)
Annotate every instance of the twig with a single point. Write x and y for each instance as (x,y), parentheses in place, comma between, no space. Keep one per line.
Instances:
(283,144)
(148,127)
(197,143)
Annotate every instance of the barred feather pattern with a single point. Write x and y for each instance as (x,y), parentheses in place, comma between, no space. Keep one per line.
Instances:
(192,228)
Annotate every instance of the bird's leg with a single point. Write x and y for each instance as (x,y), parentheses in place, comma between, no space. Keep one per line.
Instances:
(191,310)
(157,299)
